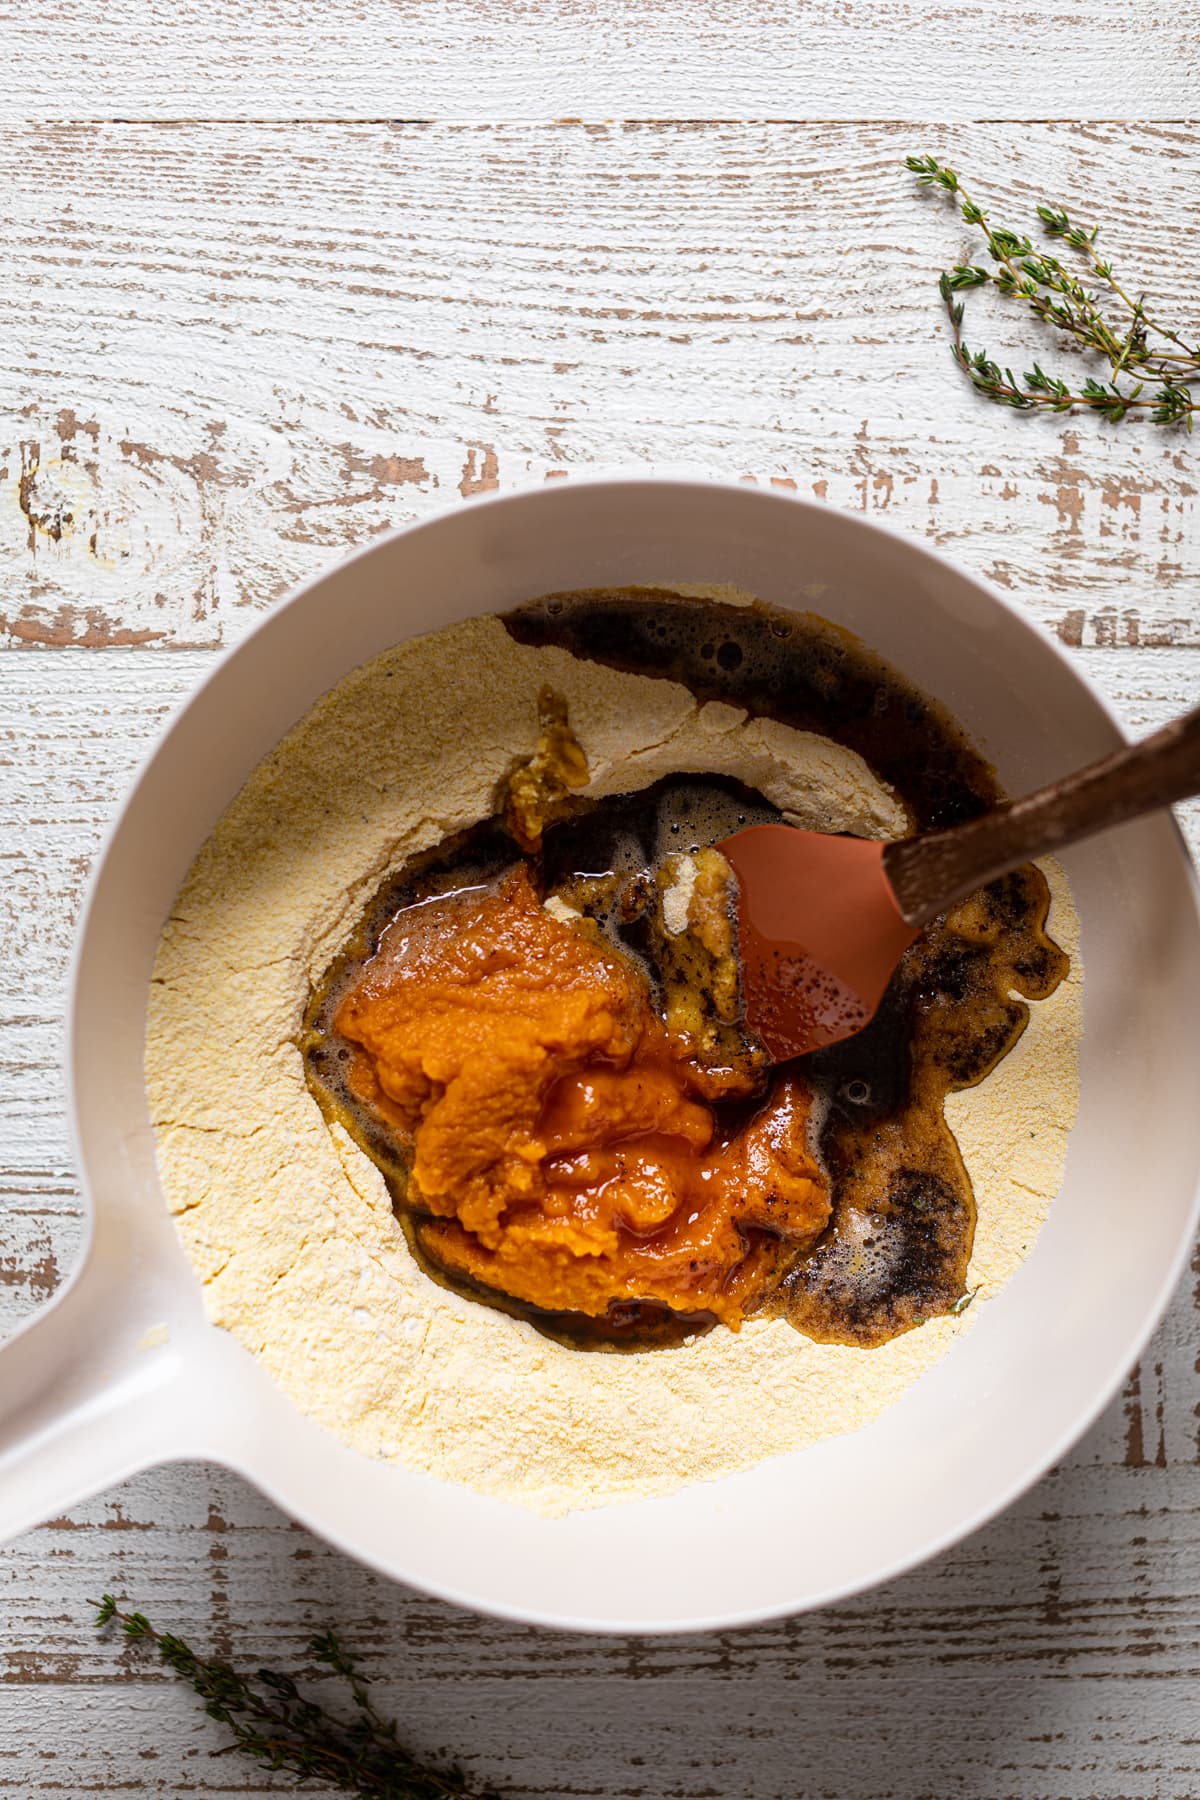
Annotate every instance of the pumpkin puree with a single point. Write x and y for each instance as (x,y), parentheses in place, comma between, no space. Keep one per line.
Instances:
(562,1143)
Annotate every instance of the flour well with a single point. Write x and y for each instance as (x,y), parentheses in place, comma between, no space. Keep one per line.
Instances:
(290,1226)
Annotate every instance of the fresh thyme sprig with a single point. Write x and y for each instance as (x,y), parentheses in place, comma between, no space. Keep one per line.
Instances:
(272,1721)
(1139,350)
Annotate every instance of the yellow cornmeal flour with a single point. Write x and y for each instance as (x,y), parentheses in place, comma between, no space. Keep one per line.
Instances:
(290,1226)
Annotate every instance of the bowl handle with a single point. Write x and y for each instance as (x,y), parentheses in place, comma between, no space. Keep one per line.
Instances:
(84,1399)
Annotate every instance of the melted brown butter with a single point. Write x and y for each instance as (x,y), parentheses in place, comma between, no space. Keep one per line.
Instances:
(898,1241)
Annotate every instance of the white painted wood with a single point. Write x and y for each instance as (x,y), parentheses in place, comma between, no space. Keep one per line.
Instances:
(1054,1654)
(699,59)
(234,351)
(238,351)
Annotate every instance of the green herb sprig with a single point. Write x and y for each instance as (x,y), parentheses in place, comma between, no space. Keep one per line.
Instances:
(286,1733)
(1150,366)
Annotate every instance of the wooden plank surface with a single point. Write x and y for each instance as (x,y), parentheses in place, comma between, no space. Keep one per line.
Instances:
(547,59)
(1053,1655)
(229,352)
(235,351)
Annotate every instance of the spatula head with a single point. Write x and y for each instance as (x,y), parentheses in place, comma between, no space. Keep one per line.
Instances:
(820,933)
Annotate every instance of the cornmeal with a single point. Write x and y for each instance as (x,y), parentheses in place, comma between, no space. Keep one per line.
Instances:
(290,1226)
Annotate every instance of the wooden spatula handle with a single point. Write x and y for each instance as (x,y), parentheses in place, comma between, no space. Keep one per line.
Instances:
(931,872)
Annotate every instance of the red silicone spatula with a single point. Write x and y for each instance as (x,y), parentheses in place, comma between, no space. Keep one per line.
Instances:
(823,921)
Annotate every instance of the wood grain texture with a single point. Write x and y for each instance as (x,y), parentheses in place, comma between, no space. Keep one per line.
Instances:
(1054,1654)
(546,59)
(227,354)
(233,352)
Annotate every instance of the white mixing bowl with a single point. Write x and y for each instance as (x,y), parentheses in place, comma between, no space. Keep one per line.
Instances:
(91,1391)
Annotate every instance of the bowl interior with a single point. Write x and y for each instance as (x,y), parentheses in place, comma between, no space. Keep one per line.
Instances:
(1042,1359)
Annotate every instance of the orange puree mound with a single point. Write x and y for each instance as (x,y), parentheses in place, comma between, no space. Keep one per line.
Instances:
(560,1138)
